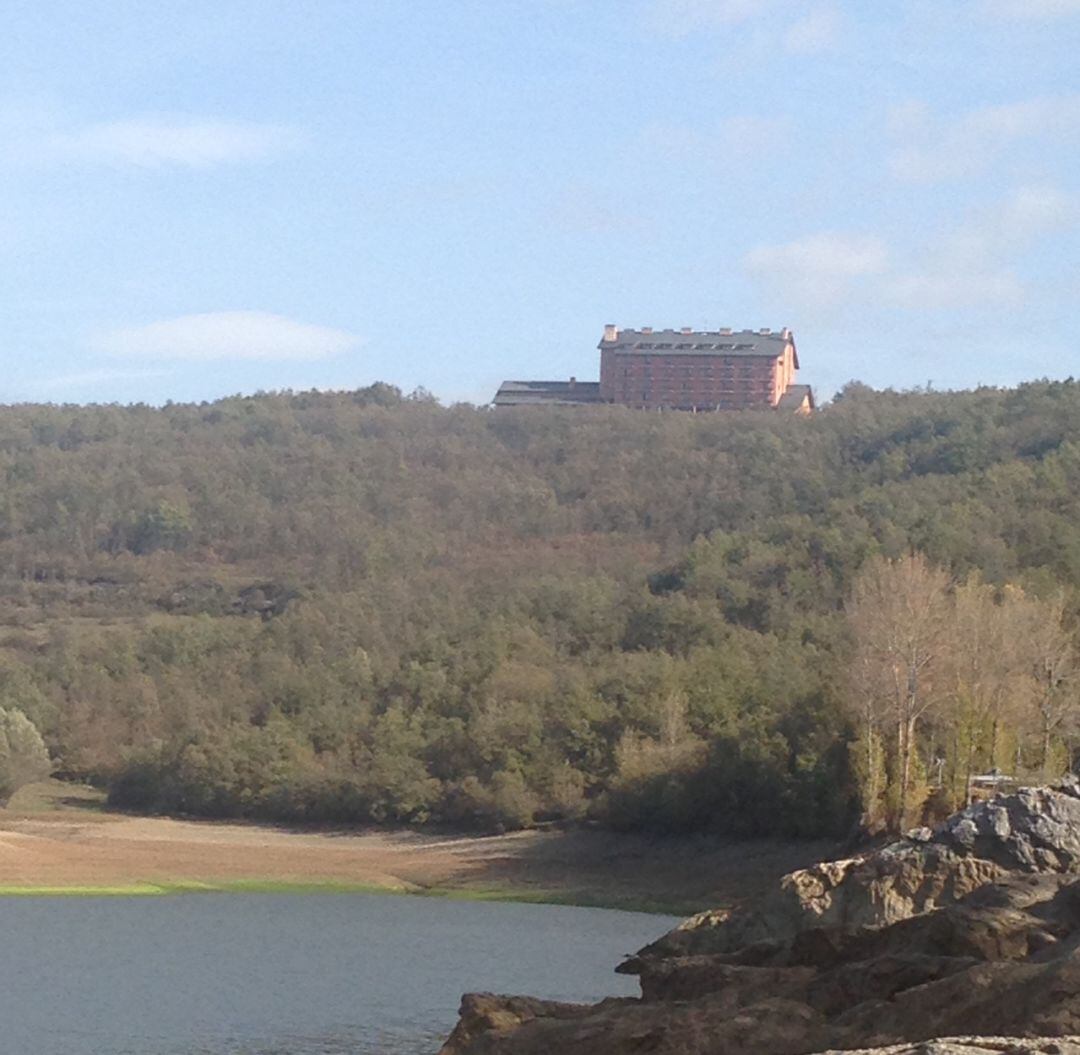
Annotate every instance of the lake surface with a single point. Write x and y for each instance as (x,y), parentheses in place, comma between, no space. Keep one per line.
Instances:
(265,974)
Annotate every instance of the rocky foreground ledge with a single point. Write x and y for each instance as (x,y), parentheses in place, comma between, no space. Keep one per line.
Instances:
(970,932)
(975,1046)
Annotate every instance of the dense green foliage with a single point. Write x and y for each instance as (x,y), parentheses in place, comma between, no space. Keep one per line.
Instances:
(368,607)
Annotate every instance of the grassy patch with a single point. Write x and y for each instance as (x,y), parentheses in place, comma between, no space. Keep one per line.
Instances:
(50,796)
(299,886)
(333,886)
(119,890)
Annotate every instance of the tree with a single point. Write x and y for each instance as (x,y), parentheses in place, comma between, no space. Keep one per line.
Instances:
(165,526)
(898,613)
(988,649)
(1050,651)
(23,758)
(868,694)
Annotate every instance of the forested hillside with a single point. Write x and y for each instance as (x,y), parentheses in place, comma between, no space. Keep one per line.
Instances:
(363,607)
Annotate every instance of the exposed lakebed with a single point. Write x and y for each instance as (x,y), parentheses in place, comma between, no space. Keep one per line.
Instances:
(225,974)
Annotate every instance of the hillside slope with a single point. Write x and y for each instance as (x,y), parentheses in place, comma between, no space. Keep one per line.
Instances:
(360,606)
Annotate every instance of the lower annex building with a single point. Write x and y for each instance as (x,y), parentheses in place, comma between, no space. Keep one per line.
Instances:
(686,369)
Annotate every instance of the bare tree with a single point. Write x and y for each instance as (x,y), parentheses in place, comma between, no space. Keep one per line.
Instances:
(899,611)
(987,669)
(1054,667)
(868,691)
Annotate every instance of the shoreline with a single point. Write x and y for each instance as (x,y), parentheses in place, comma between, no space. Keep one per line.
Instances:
(56,840)
(302,888)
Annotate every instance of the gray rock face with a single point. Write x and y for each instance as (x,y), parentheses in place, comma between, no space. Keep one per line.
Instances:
(975,1046)
(1033,830)
(973,926)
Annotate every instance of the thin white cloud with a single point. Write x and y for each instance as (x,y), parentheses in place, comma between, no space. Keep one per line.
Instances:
(1030,10)
(745,134)
(37,135)
(228,335)
(154,143)
(582,209)
(93,378)
(975,262)
(817,31)
(679,18)
(1025,216)
(821,268)
(742,136)
(941,288)
(930,149)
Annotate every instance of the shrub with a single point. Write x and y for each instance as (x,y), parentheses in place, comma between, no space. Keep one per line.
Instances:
(23,758)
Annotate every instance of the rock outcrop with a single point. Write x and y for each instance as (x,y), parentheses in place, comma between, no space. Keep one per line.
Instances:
(975,1046)
(1036,830)
(971,929)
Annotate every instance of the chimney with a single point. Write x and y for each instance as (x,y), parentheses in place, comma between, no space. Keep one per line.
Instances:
(786,334)
(725,331)
(611,332)
(646,329)
(686,329)
(573,382)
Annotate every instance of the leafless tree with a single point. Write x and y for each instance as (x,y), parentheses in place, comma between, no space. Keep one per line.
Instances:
(899,612)
(1054,668)
(986,657)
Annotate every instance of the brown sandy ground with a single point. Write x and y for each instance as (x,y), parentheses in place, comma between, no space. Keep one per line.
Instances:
(56,835)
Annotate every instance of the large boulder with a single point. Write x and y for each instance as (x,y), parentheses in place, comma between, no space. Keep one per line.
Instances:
(1035,830)
(975,926)
(773,1025)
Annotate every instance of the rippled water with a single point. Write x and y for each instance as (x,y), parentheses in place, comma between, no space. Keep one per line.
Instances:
(235,974)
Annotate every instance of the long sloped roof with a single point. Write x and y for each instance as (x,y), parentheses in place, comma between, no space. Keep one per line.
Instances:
(518,393)
(698,342)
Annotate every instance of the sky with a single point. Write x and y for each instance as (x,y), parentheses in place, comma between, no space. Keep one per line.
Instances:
(205,198)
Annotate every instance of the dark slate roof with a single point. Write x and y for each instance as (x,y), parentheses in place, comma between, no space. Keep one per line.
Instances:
(793,397)
(699,342)
(526,393)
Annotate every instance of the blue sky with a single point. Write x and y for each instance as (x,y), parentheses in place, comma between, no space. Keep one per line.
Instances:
(205,198)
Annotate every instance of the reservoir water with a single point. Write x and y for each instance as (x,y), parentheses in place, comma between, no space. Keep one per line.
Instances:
(264,974)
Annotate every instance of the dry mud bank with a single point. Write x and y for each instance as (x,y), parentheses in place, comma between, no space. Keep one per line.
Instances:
(55,838)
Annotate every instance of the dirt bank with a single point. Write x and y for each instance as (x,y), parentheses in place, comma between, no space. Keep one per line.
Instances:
(57,836)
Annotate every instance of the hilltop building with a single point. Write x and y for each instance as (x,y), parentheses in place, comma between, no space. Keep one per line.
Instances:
(696,370)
